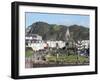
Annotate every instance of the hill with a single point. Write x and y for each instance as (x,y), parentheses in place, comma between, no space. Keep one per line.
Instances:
(57,32)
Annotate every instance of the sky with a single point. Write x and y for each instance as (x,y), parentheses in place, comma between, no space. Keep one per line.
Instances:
(60,19)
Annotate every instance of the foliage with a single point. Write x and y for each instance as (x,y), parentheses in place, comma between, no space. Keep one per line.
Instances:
(28,52)
(57,32)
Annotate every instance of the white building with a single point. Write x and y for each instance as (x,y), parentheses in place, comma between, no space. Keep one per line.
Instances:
(53,44)
(34,41)
(33,37)
(84,44)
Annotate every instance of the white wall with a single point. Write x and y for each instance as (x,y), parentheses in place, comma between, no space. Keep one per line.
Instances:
(5,40)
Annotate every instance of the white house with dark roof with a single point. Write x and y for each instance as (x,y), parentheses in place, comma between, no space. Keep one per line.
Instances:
(33,37)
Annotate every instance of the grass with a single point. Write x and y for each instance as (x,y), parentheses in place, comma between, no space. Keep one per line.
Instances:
(83,59)
(61,58)
(28,53)
(68,59)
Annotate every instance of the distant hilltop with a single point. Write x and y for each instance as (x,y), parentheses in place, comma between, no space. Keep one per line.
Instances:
(57,32)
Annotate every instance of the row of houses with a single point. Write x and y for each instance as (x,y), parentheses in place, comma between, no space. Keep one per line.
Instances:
(36,42)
